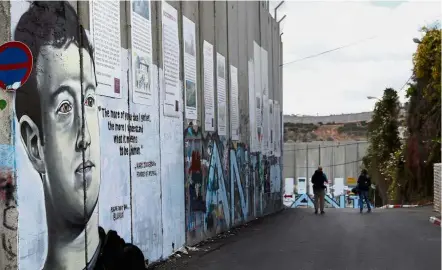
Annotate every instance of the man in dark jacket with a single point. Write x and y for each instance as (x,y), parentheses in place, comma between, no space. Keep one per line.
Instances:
(318,180)
(364,184)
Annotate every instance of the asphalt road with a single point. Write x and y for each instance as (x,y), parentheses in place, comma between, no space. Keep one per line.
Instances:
(341,239)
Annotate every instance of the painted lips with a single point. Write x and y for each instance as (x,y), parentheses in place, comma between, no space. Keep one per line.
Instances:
(85,167)
(85,171)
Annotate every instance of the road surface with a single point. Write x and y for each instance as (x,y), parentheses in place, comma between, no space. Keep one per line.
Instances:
(341,239)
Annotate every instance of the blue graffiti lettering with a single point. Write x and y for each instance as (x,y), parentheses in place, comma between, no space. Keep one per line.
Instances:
(234,172)
(216,189)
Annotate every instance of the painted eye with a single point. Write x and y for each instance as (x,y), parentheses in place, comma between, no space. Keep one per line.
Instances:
(64,108)
(90,101)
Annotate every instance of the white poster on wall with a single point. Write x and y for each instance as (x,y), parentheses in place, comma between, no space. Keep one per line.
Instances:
(145,173)
(252,106)
(258,95)
(221,94)
(280,131)
(271,128)
(105,30)
(171,61)
(277,128)
(142,90)
(114,211)
(234,110)
(190,82)
(116,145)
(265,124)
(209,99)
(265,102)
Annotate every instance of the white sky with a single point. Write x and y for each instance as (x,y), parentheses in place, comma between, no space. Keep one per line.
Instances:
(340,81)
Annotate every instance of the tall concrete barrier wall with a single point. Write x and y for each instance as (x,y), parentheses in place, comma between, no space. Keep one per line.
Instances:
(144,126)
(338,159)
(337,118)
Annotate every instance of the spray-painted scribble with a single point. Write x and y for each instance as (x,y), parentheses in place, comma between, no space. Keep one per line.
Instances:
(7,188)
(207,185)
(195,206)
(8,218)
(240,174)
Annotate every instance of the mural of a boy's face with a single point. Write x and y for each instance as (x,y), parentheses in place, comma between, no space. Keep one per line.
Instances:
(59,155)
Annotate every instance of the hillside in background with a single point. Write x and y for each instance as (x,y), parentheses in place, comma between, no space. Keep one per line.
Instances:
(300,132)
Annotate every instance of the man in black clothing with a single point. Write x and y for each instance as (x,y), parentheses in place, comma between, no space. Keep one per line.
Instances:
(364,184)
(319,179)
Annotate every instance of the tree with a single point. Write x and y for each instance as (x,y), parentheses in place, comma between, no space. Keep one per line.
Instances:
(383,138)
(405,172)
(423,144)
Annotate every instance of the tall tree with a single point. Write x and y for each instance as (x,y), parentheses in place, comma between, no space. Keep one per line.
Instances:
(383,137)
(423,147)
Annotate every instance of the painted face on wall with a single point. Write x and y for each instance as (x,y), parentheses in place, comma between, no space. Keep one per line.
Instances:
(71,150)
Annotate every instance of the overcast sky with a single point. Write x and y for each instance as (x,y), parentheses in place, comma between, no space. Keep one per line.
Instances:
(340,81)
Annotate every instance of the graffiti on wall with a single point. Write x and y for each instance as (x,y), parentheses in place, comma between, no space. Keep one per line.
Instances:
(58,127)
(8,225)
(16,60)
(266,177)
(195,205)
(217,214)
(224,184)
(207,183)
(240,178)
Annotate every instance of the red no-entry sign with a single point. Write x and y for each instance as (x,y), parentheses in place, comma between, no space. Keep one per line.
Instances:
(15,65)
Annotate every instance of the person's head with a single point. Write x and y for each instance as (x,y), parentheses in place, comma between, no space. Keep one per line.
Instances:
(320,168)
(364,171)
(56,111)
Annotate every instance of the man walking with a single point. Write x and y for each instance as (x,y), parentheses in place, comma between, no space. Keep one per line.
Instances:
(318,180)
(364,183)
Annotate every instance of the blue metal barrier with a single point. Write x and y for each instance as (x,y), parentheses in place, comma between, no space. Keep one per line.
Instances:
(306,200)
(298,201)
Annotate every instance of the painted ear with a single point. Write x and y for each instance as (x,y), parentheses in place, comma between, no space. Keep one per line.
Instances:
(30,137)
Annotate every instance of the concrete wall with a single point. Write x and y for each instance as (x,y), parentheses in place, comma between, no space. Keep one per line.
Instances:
(8,200)
(341,118)
(228,183)
(338,160)
(437,187)
(121,141)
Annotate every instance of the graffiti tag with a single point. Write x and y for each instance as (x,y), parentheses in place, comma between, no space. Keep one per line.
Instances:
(118,211)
